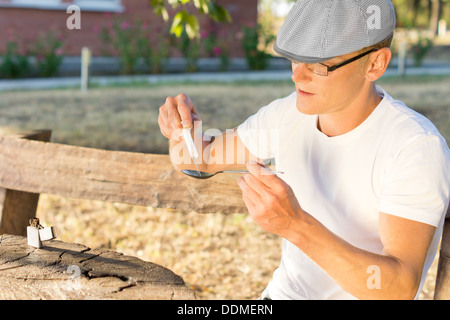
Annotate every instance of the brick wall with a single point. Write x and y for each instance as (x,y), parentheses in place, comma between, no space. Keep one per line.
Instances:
(24,25)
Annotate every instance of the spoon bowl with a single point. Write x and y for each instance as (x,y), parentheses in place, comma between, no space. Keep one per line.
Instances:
(206,175)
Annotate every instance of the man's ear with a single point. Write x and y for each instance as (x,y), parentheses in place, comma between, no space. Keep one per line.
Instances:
(377,64)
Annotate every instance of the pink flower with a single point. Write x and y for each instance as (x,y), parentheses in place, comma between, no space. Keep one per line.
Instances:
(217,51)
(125,25)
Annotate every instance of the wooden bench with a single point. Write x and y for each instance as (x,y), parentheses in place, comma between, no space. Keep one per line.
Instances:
(31,165)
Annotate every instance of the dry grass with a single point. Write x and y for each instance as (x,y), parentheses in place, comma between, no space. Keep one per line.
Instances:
(125,118)
(220,256)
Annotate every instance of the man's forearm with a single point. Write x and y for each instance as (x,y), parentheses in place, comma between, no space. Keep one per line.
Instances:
(363,274)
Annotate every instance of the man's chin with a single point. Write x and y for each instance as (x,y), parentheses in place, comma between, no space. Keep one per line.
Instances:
(305,108)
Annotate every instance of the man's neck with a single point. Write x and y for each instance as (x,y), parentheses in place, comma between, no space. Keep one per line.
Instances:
(348,118)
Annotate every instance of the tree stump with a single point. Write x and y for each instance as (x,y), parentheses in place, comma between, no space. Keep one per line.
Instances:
(67,271)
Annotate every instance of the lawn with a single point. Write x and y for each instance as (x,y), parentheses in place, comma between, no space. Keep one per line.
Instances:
(220,256)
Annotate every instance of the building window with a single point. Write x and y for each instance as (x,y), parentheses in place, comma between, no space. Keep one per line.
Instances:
(99,5)
(87,5)
(40,4)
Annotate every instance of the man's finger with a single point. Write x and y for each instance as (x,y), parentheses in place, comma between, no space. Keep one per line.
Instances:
(262,173)
(163,127)
(248,194)
(185,108)
(256,185)
(172,113)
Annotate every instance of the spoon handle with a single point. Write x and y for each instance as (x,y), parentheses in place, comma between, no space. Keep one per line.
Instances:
(245,171)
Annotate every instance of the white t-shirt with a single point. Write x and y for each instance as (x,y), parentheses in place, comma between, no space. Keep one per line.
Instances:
(394,162)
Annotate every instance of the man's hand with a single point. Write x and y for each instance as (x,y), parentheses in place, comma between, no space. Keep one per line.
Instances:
(175,114)
(270,201)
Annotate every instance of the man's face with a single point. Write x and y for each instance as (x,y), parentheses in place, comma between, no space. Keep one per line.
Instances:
(327,94)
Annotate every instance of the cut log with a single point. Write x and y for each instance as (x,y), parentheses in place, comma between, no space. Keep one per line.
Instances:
(63,271)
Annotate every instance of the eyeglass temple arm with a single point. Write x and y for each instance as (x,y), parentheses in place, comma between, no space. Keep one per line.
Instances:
(336,66)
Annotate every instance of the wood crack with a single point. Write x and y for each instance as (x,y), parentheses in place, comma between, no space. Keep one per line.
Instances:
(61,270)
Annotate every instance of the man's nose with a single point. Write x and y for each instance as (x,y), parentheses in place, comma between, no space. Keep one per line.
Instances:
(300,73)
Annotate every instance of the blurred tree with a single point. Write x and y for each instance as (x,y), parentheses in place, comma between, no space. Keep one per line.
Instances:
(416,8)
(185,21)
(435,14)
(420,13)
(410,13)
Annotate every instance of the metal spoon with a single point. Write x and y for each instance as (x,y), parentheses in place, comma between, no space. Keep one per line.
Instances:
(206,175)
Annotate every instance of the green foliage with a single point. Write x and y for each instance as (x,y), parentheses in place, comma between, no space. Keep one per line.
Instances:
(184,21)
(255,43)
(132,42)
(48,50)
(420,49)
(190,49)
(215,44)
(154,56)
(418,13)
(14,64)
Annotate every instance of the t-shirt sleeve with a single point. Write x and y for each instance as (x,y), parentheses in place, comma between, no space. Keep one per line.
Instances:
(417,185)
(260,132)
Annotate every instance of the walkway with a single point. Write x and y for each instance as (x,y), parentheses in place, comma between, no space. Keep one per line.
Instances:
(220,77)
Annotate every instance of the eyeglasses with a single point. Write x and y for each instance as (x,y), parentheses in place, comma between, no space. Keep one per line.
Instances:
(323,70)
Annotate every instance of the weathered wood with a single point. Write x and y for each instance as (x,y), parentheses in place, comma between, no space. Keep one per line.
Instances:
(17,207)
(442,289)
(114,176)
(61,271)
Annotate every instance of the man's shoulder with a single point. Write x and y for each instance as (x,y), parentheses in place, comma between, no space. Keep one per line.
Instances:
(403,120)
(405,128)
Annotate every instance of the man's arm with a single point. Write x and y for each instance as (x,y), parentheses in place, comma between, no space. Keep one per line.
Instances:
(223,152)
(396,272)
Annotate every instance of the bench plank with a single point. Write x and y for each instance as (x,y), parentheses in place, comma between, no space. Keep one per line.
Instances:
(113,176)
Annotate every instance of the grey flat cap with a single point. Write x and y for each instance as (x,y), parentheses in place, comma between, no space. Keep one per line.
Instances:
(319,30)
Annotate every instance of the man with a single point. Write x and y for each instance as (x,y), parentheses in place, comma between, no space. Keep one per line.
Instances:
(365,189)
